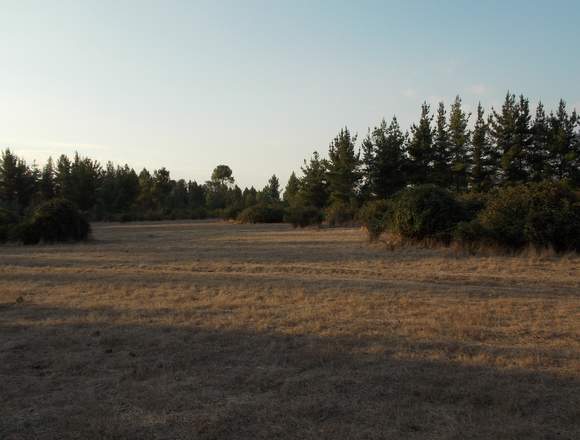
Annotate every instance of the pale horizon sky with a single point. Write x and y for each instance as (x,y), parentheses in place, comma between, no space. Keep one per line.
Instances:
(260,85)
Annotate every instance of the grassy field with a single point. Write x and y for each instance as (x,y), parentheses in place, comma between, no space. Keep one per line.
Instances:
(201,330)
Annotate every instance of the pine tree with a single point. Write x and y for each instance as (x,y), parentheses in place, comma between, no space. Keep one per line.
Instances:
(459,145)
(420,148)
(314,184)
(62,179)
(388,169)
(343,168)
(85,178)
(537,155)
(47,182)
(441,150)
(250,197)
(292,189)
(18,183)
(504,128)
(483,159)
(563,145)
(272,190)
(523,140)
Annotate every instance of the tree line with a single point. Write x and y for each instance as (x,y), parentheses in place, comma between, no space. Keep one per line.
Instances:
(447,147)
(509,146)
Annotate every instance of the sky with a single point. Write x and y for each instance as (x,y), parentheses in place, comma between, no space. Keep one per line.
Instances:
(260,85)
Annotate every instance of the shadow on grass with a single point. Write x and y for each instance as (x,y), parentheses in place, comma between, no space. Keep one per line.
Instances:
(71,374)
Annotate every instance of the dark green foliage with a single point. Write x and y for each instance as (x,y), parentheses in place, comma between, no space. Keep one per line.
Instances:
(472,203)
(442,150)
(545,214)
(57,220)
(373,217)
(262,213)
(340,214)
(17,183)
(459,138)
(384,160)
(302,216)
(291,192)
(420,148)
(512,134)
(314,184)
(422,212)
(483,157)
(271,192)
(564,145)
(8,221)
(343,168)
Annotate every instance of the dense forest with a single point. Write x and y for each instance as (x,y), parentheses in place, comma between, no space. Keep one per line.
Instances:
(460,152)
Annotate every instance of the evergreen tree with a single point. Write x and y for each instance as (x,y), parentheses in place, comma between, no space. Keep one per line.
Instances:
(250,197)
(441,150)
(127,189)
(47,182)
(523,140)
(314,184)
(196,195)
(459,144)
(537,157)
(146,199)
(217,188)
(84,179)
(292,189)
(63,182)
(563,145)
(387,167)
(343,168)
(272,190)
(420,148)
(18,183)
(222,175)
(504,128)
(482,154)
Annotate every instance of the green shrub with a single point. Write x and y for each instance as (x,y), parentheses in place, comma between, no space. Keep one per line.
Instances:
(372,216)
(53,221)
(340,214)
(545,214)
(262,213)
(424,212)
(198,214)
(302,216)
(472,204)
(8,221)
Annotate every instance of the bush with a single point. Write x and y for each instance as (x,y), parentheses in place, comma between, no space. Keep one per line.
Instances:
(472,204)
(198,213)
(8,221)
(340,214)
(302,216)
(372,216)
(262,213)
(424,212)
(545,214)
(53,221)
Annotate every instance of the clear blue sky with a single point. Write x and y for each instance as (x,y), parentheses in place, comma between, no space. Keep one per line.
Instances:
(259,85)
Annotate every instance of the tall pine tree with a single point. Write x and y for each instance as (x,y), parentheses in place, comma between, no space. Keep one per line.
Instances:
(420,148)
(343,168)
(459,145)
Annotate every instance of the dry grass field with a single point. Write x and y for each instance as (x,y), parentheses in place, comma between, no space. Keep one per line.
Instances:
(201,330)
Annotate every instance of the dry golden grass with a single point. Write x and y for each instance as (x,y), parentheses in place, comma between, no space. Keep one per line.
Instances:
(201,330)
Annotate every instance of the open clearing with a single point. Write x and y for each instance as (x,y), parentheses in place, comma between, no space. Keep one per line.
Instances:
(201,330)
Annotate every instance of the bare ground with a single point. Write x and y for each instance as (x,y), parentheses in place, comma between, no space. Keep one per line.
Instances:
(200,330)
